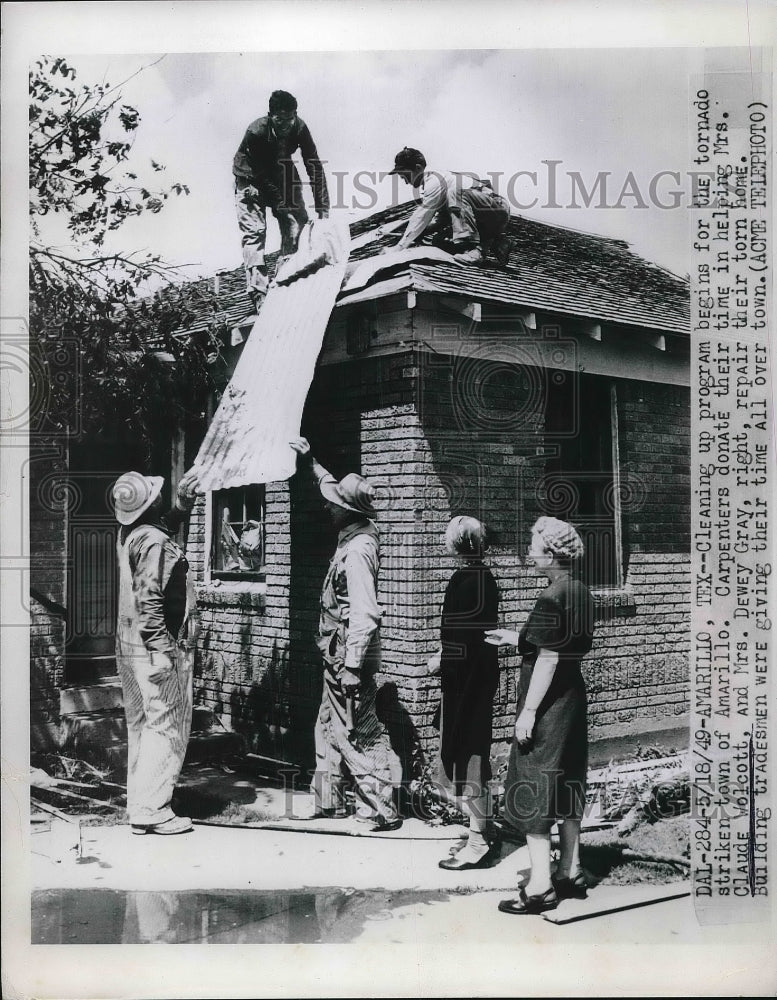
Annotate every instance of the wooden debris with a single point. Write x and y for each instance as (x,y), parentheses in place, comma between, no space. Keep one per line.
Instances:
(656,786)
(65,794)
(48,808)
(40,779)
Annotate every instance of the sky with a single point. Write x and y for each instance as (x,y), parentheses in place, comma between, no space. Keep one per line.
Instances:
(482,111)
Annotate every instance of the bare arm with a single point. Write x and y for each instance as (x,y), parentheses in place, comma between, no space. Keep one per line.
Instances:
(541,678)
(502,637)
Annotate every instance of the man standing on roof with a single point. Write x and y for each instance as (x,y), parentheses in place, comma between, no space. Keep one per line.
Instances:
(349,736)
(466,208)
(265,177)
(155,640)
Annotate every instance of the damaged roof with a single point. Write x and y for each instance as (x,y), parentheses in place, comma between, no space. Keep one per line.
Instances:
(551,269)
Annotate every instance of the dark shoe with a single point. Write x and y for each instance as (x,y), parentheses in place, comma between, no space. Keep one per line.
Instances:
(570,888)
(530,904)
(455,864)
(493,839)
(170,827)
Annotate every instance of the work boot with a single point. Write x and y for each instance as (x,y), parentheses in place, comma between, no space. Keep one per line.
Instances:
(170,827)
(474,256)
(500,251)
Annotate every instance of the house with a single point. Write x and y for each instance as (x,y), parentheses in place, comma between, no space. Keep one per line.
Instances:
(558,385)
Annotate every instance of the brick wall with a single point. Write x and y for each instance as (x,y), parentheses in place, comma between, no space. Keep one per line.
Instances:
(654,451)
(243,669)
(258,664)
(408,422)
(484,461)
(638,670)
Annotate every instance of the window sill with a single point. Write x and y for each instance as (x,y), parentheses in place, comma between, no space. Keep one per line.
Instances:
(233,593)
(246,576)
(613,602)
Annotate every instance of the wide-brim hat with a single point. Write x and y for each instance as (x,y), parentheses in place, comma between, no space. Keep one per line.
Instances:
(406,159)
(133,493)
(353,492)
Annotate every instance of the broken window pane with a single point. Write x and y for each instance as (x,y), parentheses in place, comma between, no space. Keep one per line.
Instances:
(238,533)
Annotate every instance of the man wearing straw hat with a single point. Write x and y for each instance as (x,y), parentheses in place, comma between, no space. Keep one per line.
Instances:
(155,641)
(349,736)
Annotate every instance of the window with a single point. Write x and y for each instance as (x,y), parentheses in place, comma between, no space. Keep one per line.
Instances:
(238,546)
(581,469)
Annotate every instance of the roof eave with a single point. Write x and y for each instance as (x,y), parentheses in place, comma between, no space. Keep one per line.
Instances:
(411,281)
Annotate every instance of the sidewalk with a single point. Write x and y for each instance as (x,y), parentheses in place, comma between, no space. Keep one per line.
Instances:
(370,889)
(281,875)
(222,857)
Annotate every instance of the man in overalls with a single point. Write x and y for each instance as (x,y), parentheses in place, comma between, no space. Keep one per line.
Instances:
(155,641)
(349,737)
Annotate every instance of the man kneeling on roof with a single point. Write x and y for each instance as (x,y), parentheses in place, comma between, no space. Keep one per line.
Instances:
(462,213)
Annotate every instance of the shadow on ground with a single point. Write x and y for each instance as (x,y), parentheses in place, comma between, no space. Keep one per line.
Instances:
(206,792)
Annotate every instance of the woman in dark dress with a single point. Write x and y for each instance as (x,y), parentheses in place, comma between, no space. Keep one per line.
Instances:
(470,676)
(546,774)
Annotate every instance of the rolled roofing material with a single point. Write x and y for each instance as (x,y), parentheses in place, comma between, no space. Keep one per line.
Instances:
(261,409)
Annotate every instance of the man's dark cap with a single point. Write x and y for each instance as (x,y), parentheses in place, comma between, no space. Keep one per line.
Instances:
(406,159)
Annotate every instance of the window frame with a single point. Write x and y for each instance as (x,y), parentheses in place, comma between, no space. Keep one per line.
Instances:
(212,511)
(555,444)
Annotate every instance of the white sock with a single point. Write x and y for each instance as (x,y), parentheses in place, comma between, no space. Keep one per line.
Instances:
(477,840)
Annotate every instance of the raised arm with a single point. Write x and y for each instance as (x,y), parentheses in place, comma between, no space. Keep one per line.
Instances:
(185,498)
(305,459)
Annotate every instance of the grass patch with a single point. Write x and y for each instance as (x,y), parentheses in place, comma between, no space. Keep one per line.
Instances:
(642,873)
(238,814)
(602,853)
(667,836)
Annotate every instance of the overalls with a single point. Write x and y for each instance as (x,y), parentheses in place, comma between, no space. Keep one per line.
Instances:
(157,698)
(366,751)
